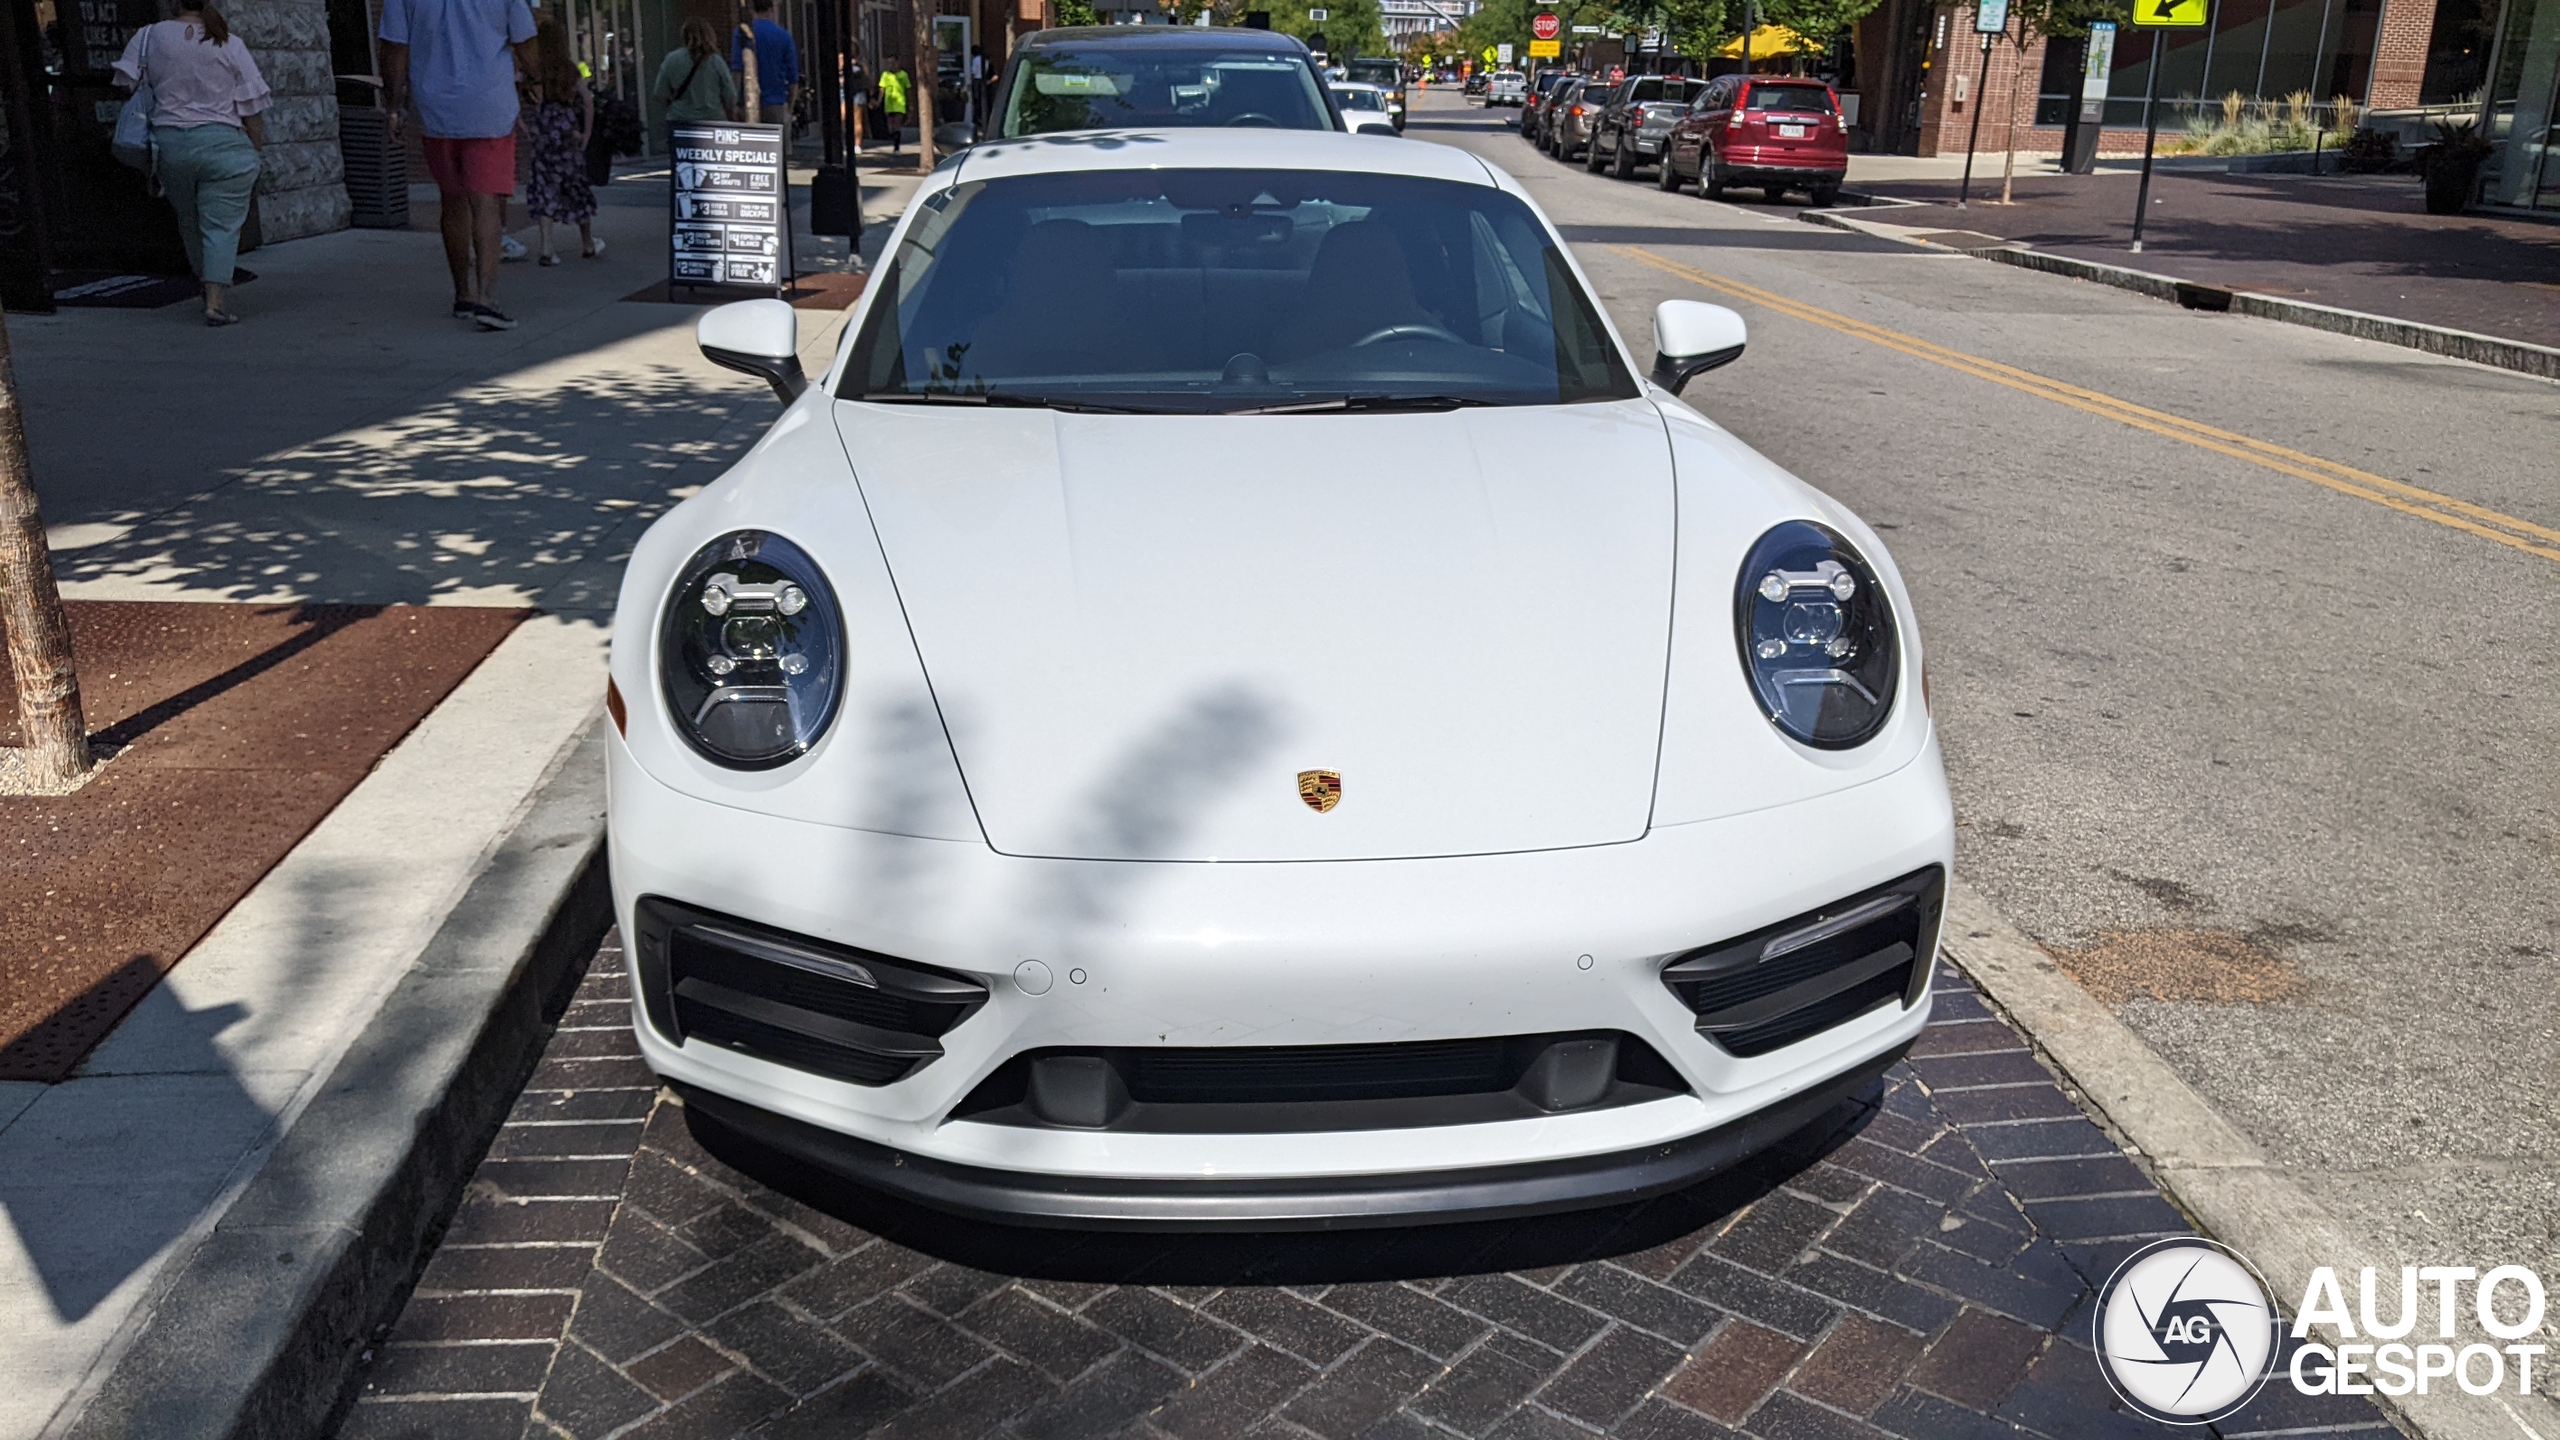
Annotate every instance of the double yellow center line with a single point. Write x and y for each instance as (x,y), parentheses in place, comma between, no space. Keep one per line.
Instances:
(2408,499)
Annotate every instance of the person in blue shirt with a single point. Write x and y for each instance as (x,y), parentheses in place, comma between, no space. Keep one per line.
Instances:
(777,65)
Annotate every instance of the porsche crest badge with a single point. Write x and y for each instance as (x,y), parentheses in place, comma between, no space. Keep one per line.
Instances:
(1321,789)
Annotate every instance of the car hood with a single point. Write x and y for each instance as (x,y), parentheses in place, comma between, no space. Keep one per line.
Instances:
(1146,633)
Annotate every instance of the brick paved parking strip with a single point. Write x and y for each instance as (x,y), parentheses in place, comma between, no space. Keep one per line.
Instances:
(1918,1264)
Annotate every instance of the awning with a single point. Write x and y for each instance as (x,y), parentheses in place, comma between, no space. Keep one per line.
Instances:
(1770,41)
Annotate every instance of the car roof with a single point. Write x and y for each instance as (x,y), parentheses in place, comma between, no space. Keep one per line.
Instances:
(1356,85)
(1214,148)
(1168,37)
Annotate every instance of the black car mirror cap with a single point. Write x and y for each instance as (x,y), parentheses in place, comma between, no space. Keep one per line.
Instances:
(1692,337)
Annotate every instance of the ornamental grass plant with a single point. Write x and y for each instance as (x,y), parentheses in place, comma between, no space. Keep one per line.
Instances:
(2262,127)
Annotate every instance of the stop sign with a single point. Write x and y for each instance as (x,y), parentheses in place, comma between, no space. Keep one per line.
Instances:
(1546,27)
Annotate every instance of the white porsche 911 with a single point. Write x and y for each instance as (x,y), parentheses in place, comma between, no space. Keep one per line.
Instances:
(1230,702)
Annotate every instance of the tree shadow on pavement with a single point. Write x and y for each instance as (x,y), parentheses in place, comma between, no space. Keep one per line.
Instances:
(509,492)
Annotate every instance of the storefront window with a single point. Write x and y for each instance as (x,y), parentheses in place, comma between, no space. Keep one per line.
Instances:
(2525,168)
(2263,49)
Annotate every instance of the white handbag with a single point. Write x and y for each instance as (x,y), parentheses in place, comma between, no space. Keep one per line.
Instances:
(133,122)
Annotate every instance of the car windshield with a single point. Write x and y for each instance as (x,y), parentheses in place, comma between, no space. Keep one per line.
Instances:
(1350,99)
(1812,99)
(1102,86)
(1230,291)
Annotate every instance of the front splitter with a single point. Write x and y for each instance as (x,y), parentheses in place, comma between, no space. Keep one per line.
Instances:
(1333,1202)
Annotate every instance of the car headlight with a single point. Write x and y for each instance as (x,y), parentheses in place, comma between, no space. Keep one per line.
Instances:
(1817,636)
(751,651)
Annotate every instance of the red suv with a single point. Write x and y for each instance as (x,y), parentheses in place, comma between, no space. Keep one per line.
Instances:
(1779,134)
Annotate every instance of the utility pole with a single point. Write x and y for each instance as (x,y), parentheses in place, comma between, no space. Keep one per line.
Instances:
(56,739)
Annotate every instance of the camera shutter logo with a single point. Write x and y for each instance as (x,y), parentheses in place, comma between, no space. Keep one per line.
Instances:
(2186,1331)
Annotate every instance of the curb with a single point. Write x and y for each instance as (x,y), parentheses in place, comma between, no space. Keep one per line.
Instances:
(256,1336)
(2525,358)
(2207,1167)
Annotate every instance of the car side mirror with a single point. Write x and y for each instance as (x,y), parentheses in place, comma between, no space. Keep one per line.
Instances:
(755,337)
(1690,338)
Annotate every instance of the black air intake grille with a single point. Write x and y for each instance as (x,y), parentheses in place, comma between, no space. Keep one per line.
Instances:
(1315,1072)
(829,1009)
(1282,1089)
(1779,985)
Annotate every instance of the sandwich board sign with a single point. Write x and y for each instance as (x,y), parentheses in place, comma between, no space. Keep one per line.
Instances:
(730,220)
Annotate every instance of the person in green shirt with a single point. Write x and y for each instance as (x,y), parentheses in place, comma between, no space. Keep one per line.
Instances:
(694,85)
(893,103)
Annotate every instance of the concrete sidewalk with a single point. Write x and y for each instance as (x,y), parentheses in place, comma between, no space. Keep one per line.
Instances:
(2353,242)
(349,443)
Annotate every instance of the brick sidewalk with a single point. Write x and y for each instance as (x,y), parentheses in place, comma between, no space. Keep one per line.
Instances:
(1917,1265)
(2360,243)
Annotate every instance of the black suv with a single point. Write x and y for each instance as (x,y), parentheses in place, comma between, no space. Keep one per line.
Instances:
(1631,128)
(1533,108)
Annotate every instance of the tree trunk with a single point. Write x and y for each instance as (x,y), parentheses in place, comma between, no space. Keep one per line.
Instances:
(928,78)
(56,739)
(2017,77)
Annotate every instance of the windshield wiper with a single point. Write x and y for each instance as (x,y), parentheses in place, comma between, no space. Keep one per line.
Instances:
(1367,403)
(1000,400)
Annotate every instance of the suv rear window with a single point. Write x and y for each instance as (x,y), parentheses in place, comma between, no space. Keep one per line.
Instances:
(1103,86)
(1387,73)
(1811,99)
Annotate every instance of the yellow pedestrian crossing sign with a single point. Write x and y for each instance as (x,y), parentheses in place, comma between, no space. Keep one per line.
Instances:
(2171,14)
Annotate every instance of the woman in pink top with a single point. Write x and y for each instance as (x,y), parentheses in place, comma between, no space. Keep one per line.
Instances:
(205,133)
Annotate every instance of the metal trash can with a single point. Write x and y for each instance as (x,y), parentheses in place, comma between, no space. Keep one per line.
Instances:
(377,169)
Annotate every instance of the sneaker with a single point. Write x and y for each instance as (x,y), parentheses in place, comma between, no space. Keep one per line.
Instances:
(597,251)
(549,260)
(490,317)
(511,248)
(462,309)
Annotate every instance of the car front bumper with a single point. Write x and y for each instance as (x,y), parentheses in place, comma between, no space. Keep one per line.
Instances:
(1320,1202)
(1206,955)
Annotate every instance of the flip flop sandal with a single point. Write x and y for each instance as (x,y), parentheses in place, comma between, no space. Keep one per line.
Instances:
(219,318)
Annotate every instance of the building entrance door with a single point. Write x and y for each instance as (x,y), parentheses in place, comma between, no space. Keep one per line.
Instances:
(92,213)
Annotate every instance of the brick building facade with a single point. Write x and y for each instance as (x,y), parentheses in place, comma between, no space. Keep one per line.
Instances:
(1921,73)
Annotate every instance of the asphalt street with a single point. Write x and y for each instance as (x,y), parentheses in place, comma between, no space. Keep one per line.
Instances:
(2243,645)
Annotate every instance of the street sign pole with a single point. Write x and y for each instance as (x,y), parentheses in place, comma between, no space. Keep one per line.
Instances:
(1990,18)
(1964,191)
(2156,16)
(2150,137)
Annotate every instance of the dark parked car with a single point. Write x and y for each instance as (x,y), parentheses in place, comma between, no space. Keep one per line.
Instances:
(1569,116)
(1629,132)
(1113,77)
(1476,81)
(1533,106)
(1778,134)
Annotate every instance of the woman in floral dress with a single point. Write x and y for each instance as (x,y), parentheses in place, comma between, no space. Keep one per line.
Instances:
(562,115)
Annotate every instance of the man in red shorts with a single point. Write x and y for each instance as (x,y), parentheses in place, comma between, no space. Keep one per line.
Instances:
(457,62)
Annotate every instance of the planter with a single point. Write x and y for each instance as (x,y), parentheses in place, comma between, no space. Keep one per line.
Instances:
(2449,186)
